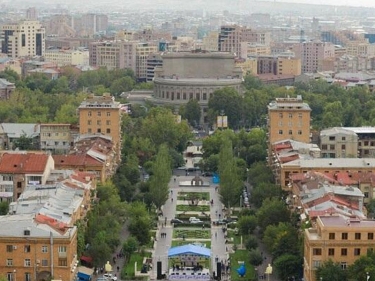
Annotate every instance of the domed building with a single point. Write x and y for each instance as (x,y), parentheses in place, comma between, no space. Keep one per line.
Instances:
(194,75)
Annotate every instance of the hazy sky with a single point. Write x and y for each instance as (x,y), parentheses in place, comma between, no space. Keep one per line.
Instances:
(366,3)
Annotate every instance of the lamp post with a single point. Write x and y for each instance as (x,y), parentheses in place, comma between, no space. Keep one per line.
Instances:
(14,275)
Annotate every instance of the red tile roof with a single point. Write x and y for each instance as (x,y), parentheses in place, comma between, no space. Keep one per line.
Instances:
(74,160)
(23,163)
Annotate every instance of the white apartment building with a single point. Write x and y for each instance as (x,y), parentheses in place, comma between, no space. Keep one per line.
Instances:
(143,51)
(67,57)
(23,39)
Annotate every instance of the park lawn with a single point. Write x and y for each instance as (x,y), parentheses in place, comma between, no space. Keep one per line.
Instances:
(192,233)
(176,243)
(236,238)
(128,269)
(241,255)
(193,208)
(193,195)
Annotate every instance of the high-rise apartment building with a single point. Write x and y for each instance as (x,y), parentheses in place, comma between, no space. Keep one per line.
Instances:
(114,54)
(210,41)
(143,51)
(232,39)
(23,39)
(289,118)
(312,54)
(101,115)
(31,14)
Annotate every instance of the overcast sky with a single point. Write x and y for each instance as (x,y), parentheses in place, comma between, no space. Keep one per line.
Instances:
(366,3)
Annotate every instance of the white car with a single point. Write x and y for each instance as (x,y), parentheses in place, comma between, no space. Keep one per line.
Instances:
(109,276)
(194,220)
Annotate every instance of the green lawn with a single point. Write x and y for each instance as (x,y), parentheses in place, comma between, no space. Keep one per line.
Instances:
(193,195)
(206,244)
(192,233)
(128,270)
(241,255)
(236,238)
(192,208)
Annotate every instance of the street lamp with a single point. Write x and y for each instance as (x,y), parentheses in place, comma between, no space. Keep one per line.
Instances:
(14,275)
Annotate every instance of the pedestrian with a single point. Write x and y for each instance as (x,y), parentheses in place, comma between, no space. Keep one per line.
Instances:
(175,179)
(172,190)
(165,220)
(215,234)
(118,269)
(172,199)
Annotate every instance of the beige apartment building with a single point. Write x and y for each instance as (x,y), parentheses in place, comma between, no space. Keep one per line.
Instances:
(338,143)
(360,49)
(210,41)
(289,118)
(23,39)
(247,65)
(338,239)
(101,115)
(55,138)
(143,51)
(114,54)
(67,57)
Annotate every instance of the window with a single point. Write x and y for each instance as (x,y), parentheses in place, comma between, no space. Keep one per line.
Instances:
(27,249)
(89,113)
(99,113)
(61,249)
(9,248)
(280,123)
(44,262)
(343,138)
(280,115)
(332,138)
(370,236)
(19,184)
(27,276)
(331,252)
(290,124)
(108,122)
(9,262)
(10,276)
(290,115)
(331,236)
(344,251)
(357,236)
(332,147)
(344,236)
(27,262)
(89,130)
(280,132)
(343,265)
(343,146)
(108,113)
(44,249)
(63,262)
(98,122)
(324,147)
(357,251)
(290,132)
(108,131)
(299,132)
(99,130)
(89,122)
(317,251)
(316,264)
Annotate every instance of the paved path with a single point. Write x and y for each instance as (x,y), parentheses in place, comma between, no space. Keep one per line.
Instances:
(218,247)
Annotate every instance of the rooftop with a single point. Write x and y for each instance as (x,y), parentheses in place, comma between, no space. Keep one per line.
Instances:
(23,163)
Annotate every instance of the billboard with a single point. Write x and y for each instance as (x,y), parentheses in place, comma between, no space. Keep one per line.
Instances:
(222,122)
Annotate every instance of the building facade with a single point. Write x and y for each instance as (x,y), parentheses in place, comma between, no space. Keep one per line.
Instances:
(6,89)
(289,118)
(338,143)
(143,52)
(63,57)
(55,138)
(23,39)
(338,239)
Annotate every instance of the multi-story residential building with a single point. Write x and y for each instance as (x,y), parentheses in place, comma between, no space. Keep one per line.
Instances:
(289,118)
(338,143)
(18,169)
(312,54)
(210,41)
(233,38)
(278,65)
(248,66)
(59,25)
(6,89)
(143,52)
(62,57)
(55,138)
(101,115)
(23,39)
(31,13)
(37,249)
(360,49)
(338,239)
(254,49)
(114,54)
(153,61)
(366,141)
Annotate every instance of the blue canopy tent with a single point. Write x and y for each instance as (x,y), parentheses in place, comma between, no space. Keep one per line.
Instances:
(189,249)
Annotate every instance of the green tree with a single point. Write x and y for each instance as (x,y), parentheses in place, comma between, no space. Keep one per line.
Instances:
(129,246)
(4,208)
(228,101)
(193,112)
(288,266)
(67,114)
(272,212)
(161,174)
(120,85)
(247,224)
(330,270)
(99,249)
(363,265)
(139,222)
(24,143)
(251,242)
(255,257)
(258,173)
(263,191)
(230,182)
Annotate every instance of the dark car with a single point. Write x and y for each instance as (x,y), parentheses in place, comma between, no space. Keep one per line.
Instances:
(176,221)
(207,174)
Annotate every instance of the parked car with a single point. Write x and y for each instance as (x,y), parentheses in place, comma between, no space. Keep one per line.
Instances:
(176,221)
(207,174)
(109,276)
(194,220)
(219,222)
